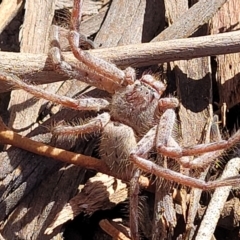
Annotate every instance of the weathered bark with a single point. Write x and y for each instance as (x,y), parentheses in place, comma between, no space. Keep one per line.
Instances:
(189,21)
(92,194)
(143,18)
(35,33)
(8,10)
(38,68)
(228,68)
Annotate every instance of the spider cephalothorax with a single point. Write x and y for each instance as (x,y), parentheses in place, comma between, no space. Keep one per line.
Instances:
(137,105)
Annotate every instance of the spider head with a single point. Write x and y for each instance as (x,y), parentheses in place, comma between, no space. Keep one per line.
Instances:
(147,79)
(144,92)
(136,104)
(151,81)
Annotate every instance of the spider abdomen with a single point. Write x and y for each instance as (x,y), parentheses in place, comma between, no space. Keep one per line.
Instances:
(116,143)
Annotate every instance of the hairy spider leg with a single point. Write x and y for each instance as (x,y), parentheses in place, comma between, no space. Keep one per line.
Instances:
(77,70)
(78,104)
(7,136)
(160,135)
(147,142)
(96,124)
(133,201)
(142,149)
(90,69)
(178,152)
(173,149)
(102,67)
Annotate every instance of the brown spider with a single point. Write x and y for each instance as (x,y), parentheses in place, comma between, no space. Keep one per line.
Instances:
(137,121)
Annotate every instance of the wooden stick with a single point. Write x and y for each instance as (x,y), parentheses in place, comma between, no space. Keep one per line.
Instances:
(218,200)
(196,16)
(38,67)
(8,10)
(7,136)
(112,231)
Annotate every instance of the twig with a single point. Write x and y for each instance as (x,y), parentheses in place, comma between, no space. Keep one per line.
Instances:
(112,231)
(37,67)
(218,200)
(8,10)
(8,136)
(199,14)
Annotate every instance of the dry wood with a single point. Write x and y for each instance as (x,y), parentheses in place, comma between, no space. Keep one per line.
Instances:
(217,203)
(34,39)
(174,9)
(38,68)
(101,192)
(60,4)
(36,26)
(39,204)
(186,24)
(92,25)
(212,134)
(228,68)
(24,112)
(230,215)
(115,233)
(143,18)
(8,137)
(8,10)
(183,25)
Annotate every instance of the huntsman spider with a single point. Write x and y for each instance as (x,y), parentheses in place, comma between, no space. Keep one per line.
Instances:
(136,121)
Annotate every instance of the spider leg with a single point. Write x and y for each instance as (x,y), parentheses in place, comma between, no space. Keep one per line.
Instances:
(164,130)
(167,145)
(94,125)
(168,103)
(104,68)
(7,136)
(170,175)
(202,161)
(134,199)
(99,66)
(78,104)
(80,71)
(116,144)
(142,149)
(140,153)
